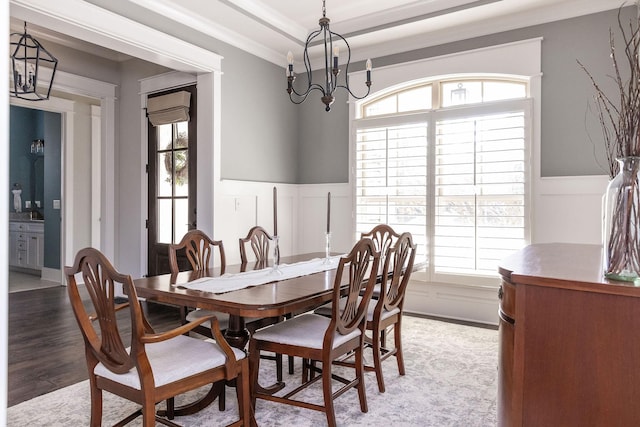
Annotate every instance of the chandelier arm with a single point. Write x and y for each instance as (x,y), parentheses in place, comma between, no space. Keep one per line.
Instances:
(311,87)
(305,94)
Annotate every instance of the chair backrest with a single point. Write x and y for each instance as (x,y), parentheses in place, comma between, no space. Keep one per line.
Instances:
(100,330)
(398,266)
(383,237)
(259,240)
(348,308)
(198,248)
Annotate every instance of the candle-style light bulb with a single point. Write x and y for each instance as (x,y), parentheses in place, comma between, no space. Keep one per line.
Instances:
(368,66)
(336,53)
(289,66)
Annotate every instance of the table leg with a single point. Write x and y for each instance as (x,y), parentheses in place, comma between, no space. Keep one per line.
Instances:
(237,334)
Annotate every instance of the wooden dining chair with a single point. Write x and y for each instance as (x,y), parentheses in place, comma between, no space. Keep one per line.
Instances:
(198,249)
(315,337)
(386,311)
(155,366)
(259,240)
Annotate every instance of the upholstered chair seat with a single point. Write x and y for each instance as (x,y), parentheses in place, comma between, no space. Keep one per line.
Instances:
(306,330)
(173,359)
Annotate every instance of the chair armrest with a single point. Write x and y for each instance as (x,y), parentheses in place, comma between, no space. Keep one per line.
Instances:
(230,362)
(181,330)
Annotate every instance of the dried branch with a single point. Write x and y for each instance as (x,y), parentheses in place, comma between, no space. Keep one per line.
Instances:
(620,118)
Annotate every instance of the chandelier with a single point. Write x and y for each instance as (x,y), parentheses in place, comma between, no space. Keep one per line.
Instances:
(27,59)
(331,70)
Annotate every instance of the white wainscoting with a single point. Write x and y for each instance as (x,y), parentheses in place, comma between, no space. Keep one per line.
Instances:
(565,209)
(302,215)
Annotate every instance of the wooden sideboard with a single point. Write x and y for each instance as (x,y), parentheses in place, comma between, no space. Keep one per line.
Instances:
(569,341)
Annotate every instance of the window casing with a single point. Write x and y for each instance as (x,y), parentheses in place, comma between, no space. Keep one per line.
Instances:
(457,178)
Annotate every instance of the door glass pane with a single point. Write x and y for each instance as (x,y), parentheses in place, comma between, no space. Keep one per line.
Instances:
(164,174)
(182,172)
(164,221)
(165,136)
(181,217)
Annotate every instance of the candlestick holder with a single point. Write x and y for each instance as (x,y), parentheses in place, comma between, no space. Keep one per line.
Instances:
(276,256)
(327,248)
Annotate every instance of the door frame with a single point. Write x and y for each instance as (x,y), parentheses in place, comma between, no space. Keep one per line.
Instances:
(148,86)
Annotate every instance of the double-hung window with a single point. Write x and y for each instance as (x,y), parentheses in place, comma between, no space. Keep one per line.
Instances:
(447,161)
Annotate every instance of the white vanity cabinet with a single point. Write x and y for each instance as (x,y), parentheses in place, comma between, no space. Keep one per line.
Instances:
(26,244)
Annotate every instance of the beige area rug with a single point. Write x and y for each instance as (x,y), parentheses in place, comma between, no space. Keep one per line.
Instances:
(451,380)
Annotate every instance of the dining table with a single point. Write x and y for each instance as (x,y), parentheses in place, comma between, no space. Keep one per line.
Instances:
(278,297)
(274,299)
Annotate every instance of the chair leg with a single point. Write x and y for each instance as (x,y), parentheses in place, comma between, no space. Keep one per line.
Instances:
(96,405)
(183,314)
(397,337)
(278,367)
(244,394)
(290,358)
(148,412)
(254,367)
(171,408)
(362,394)
(221,398)
(377,357)
(328,394)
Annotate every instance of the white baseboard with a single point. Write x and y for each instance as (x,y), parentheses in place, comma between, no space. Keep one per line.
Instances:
(468,303)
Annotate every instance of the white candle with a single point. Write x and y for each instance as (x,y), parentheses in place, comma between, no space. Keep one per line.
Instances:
(328,212)
(275,211)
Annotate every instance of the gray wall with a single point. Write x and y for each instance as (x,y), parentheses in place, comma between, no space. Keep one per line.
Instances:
(52,189)
(259,124)
(571,138)
(23,129)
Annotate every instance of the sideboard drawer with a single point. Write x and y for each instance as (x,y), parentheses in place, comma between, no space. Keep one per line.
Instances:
(507,295)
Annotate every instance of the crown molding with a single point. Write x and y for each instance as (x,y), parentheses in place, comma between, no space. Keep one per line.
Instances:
(88,22)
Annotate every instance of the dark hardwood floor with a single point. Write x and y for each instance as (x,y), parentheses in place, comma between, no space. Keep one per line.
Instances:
(46,351)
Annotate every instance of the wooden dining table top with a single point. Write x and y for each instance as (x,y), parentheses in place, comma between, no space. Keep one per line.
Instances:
(271,299)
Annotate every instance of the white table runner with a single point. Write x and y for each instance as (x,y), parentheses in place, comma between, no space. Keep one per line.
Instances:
(233,282)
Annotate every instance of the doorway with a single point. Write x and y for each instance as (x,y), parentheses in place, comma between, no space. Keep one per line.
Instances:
(69,136)
(172,182)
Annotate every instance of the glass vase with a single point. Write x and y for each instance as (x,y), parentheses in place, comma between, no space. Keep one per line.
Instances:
(327,248)
(276,255)
(621,246)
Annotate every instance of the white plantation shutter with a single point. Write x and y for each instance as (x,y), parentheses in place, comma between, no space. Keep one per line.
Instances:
(479,191)
(391,181)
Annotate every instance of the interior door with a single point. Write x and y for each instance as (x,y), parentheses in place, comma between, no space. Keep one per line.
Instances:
(172,185)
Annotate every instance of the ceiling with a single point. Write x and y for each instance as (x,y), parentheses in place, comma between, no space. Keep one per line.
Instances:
(271,28)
